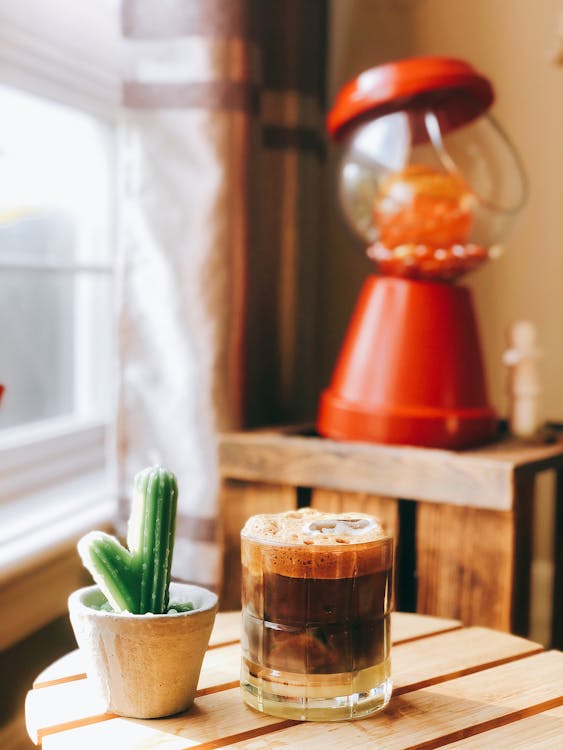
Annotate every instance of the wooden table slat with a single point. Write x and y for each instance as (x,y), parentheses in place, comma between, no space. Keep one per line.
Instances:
(60,706)
(544,731)
(454,687)
(407,626)
(69,667)
(427,718)
(415,664)
(226,629)
(221,715)
(449,655)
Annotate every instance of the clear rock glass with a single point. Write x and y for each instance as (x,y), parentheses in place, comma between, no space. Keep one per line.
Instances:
(316,618)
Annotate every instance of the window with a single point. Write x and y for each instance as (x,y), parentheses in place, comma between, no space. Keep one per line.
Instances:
(56,255)
(58,114)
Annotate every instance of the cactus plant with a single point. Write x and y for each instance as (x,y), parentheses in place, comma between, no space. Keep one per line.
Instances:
(138,579)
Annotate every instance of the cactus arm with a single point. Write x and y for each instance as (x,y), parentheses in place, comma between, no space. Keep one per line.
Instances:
(151,535)
(163,545)
(111,567)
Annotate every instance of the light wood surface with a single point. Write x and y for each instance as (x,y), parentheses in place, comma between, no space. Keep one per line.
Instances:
(481,478)
(457,687)
(543,731)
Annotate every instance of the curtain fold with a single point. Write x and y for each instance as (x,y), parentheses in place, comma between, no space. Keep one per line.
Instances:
(220,162)
(65,52)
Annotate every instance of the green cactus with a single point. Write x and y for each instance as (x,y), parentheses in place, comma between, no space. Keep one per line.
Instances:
(138,579)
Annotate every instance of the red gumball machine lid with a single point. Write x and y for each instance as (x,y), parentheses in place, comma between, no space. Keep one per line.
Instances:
(446,84)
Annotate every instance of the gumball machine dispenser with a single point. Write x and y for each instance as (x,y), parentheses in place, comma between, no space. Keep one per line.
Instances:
(431,184)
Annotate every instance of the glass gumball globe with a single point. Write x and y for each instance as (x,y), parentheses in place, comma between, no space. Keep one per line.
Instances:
(432,187)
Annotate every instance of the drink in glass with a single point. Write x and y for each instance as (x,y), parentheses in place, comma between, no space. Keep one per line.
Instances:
(316,599)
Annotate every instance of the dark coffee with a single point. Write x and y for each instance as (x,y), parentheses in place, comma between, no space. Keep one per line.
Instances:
(319,626)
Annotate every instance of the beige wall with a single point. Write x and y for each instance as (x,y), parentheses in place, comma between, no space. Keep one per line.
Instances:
(515,43)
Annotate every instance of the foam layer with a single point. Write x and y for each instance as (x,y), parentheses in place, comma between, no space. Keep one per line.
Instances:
(309,526)
(311,544)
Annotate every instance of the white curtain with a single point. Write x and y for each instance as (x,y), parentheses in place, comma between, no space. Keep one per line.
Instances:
(62,50)
(182,247)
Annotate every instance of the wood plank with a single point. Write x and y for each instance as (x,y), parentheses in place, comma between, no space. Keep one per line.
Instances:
(414,664)
(221,666)
(226,629)
(544,731)
(436,716)
(114,734)
(213,716)
(465,562)
(239,501)
(449,655)
(479,478)
(69,667)
(539,454)
(61,706)
(464,478)
(406,626)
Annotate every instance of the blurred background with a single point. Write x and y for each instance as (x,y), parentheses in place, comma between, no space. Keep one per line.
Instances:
(173,262)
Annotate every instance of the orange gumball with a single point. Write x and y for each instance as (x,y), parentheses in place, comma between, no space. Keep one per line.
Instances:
(423,206)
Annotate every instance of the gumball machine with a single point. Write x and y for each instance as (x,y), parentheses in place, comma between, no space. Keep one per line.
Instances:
(429,182)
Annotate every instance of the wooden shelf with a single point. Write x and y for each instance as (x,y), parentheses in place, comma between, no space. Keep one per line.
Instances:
(463,520)
(481,478)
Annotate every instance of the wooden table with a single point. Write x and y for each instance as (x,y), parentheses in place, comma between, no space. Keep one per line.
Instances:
(462,520)
(465,688)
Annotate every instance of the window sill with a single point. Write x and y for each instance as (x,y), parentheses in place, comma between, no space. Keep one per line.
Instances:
(39,565)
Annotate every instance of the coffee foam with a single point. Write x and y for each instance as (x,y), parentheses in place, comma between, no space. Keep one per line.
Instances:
(310,526)
(310,543)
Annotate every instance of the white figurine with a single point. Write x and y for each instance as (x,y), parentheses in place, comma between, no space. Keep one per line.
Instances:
(524,389)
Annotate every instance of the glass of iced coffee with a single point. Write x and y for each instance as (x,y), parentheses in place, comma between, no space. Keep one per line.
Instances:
(316,600)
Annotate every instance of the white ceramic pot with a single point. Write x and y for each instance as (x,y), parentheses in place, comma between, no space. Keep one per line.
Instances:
(144,666)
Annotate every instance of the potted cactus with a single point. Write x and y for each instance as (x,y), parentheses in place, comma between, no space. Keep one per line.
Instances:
(143,637)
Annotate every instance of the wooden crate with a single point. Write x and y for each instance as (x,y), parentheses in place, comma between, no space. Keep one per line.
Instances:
(463,521)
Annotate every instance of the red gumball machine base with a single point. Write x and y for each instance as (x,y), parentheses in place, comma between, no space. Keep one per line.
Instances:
(410,370)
